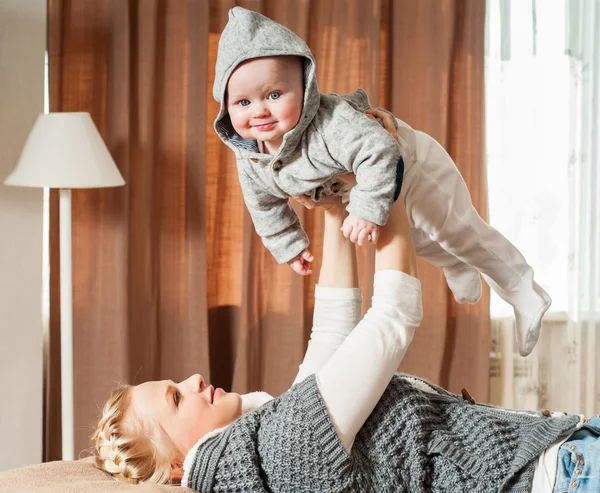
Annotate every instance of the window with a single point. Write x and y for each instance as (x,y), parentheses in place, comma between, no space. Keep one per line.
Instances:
(527,138)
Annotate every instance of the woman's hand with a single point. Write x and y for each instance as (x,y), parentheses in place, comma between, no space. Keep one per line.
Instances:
(385,119)
(332,206)
(395,249)
(327,202)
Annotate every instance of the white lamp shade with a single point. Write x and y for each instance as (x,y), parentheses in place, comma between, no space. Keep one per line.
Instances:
(65,150)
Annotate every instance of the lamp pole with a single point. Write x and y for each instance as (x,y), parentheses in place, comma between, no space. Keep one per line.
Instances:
(66,326)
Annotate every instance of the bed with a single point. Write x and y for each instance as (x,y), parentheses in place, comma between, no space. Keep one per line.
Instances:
(79,476)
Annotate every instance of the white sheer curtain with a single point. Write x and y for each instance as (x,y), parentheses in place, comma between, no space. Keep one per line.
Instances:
(543,145)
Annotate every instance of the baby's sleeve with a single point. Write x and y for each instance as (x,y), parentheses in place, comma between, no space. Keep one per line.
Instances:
(274,219)
(366,149)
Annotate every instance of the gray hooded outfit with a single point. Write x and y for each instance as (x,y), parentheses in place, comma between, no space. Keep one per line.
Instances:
(333,136)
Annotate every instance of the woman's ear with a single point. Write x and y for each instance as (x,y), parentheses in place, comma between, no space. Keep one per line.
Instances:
(176,471)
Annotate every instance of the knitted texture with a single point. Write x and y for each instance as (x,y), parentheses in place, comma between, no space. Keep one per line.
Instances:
(414,441)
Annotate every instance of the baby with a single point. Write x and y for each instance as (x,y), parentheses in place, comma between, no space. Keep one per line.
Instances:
(292,140)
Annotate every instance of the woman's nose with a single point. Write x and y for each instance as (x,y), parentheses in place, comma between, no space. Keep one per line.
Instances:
(196,382)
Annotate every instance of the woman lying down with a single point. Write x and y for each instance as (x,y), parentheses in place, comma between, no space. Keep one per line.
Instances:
(349,422)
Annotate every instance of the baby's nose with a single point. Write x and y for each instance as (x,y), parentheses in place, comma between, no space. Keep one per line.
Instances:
(260,110)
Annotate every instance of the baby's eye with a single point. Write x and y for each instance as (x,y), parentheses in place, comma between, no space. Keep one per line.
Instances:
(243,102)
(176,398)
(275,95)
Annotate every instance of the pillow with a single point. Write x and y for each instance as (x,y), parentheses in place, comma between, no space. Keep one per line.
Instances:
(80,476)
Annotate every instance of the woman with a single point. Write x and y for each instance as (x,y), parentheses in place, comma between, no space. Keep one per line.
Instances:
(348,423)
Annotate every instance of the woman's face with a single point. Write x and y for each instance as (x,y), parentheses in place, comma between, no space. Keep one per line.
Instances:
(187,410)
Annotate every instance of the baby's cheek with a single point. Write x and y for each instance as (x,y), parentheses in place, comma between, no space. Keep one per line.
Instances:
(292,115)
(240,124)
(235,120)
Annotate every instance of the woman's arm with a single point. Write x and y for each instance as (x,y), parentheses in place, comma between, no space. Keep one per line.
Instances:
(354,378)
(338,299)
(339,267)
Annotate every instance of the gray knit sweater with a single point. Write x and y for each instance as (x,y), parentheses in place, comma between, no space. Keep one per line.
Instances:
(414,441)
(333,136)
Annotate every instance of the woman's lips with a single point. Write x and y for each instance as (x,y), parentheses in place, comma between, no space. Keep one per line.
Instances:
(265,126)
(218,393)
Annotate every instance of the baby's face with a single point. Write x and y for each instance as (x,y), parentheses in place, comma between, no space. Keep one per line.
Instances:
(264,98)
(187,410)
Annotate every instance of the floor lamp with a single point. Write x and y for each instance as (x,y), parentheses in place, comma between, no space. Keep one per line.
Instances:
(65,151)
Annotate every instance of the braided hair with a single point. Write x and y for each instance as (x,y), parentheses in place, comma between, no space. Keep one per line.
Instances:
(129,449)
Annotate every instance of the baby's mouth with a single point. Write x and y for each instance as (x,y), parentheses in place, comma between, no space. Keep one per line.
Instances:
(265,126)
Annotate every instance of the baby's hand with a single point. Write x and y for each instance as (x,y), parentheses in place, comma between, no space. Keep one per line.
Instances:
(301,263)
(358,230)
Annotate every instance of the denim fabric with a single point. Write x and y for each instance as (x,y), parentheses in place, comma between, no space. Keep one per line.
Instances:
(578,468)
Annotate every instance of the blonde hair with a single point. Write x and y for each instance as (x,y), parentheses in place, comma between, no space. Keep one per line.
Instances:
(129,448)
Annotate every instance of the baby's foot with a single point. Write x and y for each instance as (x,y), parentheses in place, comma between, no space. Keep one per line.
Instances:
(529,321)
(464,282)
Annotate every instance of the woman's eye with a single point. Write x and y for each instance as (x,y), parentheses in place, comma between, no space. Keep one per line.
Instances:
(244,102)
(275,95)
(176,398)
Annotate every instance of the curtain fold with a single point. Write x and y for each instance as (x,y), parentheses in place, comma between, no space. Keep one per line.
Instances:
(169,275)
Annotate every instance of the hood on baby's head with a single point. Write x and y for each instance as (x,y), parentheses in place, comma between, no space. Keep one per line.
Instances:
(249,35)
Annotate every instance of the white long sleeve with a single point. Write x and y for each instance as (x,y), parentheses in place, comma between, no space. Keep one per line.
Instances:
(354,378)
(336,313)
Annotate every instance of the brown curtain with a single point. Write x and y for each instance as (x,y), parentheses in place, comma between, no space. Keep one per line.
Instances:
(169,276)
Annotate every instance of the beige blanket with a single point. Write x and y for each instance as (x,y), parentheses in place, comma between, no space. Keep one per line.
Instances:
(71,477)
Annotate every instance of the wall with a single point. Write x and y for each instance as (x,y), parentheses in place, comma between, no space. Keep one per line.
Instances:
(22,48)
